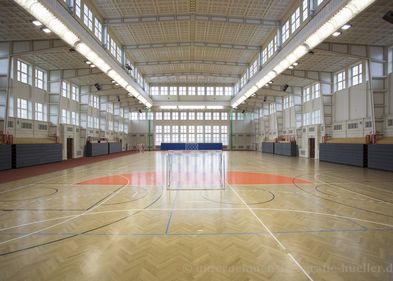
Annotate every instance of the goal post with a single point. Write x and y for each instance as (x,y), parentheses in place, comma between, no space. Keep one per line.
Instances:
(195,170)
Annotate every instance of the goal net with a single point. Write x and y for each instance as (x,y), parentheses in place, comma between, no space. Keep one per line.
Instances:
(195,169)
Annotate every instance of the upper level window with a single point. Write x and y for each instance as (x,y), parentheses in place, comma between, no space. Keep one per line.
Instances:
(356,74)
(306,94)
(264,56)
(40,112)
(340,81)
(219,91)
(201,91)
(21,108)
(305,9)
(228,91)
(209,91)
(23,73)
(182,91)
(285,31)
(316,90)
(191,91)
(183,115)
(78,8)
(75,93)
(173,91)
(154,91)
(98,29)
(158,115)
(224,116)
(65,89)
(191,115)
(164,91)
(295,20)
(88,17)
(40,79)
(270,49)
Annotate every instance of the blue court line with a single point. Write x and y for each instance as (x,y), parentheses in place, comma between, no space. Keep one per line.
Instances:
(171,214)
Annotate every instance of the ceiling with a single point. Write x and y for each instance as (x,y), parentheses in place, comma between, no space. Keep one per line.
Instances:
(195,41)
(142,22)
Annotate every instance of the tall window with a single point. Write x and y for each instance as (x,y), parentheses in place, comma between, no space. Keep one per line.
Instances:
(228,91)
(264,56)
(201,91)
(216,115)
(183,115)
(191,91)
(64,116)
(182,91)
(224,116)
(306,94)
(175,115)
(305,9)
(199,115)
(285,31)
(87,17)
(219,91)
(356,74)
(65,89)
(158,115)
(173,91)
(164,91)
(191,115)
(75,93)
(78,8)
(98,29)
(23,72)
(154,91)
(316,90)
(208,116)
(340,80)
(209,91)
(270,49)
(21,108)
(167,115)
(295,20)
(40,112)
(40,79)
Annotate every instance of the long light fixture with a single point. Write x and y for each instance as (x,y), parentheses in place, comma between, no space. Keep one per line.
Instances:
(340,19)
(190,107)
(47,18)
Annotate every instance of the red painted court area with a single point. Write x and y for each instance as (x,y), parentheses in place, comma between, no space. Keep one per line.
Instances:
(153,178)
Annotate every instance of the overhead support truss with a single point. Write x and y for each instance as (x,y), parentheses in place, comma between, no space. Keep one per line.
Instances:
(152,63)
(192,17)
(158,75)
(193,44)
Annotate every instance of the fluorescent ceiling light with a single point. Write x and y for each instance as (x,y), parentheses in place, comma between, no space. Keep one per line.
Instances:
(215,107)
(351,10)
(295,64)
(291,67)
(88,62)
(45,17)
(192,107)
(36,23)
(336,34)
(346,26)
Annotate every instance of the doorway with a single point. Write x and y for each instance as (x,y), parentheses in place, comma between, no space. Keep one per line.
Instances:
(70,148)
(311,147)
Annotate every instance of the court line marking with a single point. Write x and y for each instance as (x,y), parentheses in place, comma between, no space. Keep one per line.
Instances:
(272,235)
(200,209)
(171,214)
(71,218)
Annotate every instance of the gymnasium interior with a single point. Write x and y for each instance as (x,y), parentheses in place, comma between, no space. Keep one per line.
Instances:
(195,140)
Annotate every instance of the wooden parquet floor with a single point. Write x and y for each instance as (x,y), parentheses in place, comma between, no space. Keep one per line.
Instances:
(335,224)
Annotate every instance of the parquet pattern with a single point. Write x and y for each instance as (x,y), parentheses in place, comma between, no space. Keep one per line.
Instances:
(336,224)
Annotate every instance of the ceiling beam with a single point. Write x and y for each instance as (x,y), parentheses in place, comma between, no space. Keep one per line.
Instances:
(191,74)
(192,44)
(192,17)
(152,63)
